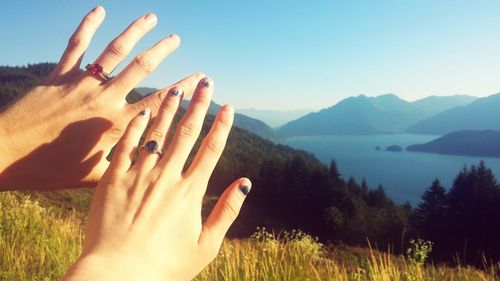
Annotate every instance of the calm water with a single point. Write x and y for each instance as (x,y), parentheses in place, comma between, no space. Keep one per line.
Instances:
(404,175)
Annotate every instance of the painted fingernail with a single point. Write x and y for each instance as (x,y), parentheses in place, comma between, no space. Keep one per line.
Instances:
(150,17)
(176,92)
(145,112)
(245,189)
(205,84)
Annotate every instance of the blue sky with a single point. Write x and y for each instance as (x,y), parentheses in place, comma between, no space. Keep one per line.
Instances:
(287,54)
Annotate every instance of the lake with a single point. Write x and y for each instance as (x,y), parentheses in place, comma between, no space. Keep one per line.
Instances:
(405,175)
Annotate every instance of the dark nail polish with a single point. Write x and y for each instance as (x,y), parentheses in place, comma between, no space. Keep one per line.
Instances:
(176,93)
(145,112)
(245,189)
(205,84)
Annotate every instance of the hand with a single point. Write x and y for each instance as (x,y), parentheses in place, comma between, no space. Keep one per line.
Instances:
(145,220)
(59,134)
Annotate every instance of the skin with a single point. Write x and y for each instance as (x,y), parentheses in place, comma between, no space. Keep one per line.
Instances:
(145,219)
(60,132)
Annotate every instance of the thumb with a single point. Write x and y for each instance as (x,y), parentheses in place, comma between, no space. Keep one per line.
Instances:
(223,215)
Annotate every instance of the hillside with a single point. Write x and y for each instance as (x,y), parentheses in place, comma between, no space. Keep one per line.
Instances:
(472,143)
(482,114)
(283,178)
(244,122)
(364,115)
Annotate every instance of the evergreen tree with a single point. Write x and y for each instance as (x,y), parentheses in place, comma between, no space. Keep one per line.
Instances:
(430,215)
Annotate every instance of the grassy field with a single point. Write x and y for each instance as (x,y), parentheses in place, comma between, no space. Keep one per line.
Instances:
(39,243)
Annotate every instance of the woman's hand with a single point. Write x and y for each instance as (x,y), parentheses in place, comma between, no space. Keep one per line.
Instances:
(145,219)
(59,134)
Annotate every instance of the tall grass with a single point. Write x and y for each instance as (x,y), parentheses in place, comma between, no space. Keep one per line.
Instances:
(35,242)
(39,243)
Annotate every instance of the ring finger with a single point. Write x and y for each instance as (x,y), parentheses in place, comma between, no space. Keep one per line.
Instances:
(118,49)
(155,139)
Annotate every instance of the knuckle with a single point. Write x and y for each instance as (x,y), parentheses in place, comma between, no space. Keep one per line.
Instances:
(144,63)
(169,106)
(225,122)
(157,134)
(187,129)
(213,145)
(202,99)
(118,48)
(231,210)
(75,41)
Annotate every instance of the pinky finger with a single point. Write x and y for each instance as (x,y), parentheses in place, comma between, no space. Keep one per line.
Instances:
(127,146)
(223,215)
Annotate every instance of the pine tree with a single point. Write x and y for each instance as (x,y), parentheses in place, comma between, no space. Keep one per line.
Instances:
(430,215)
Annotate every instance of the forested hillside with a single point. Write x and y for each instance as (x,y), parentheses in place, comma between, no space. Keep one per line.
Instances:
(293,190)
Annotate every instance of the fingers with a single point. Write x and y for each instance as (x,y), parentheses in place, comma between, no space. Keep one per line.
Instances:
(127,146)
(156,136)
(223,215)
(155,100)
(143,64)
(213,145)
(188,129)
(79,41)
(118,49)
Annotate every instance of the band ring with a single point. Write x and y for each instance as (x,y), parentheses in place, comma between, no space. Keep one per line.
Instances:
(98,71)
(152,147)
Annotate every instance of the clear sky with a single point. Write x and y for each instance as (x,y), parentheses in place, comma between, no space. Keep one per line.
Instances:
(287,54)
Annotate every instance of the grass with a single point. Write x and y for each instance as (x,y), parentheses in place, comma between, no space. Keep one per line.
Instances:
(39,243)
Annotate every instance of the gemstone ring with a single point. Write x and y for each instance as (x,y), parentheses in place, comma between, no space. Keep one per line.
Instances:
(152,147)
(98,71)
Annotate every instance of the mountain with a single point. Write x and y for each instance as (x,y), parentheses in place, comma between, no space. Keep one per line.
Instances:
(275,118)
(360,115)
(482,114)
(241,121)
(250,124)
(468,142)
(291,190)
(145,90)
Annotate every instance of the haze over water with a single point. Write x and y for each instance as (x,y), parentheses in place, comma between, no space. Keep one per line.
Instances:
(405,175)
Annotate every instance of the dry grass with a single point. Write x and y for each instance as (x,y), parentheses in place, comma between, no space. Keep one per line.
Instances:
(38,243)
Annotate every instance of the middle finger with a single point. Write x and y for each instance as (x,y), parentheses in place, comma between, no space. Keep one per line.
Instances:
(118,49)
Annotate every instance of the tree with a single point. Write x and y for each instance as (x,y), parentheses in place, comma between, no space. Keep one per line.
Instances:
(430,215)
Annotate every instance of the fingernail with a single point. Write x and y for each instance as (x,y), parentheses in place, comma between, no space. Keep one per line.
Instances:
(150,17)
(98,10)
(176,92)
(227,108)
(245,189)
(205,84)
(145,112)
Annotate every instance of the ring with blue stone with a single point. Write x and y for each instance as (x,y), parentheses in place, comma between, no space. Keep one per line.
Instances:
(152,147)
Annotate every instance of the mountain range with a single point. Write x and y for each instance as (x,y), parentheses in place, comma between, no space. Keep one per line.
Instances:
(274,118)
(362,115)
(482,114)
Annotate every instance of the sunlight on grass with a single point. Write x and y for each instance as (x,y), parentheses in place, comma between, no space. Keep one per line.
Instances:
(38,244)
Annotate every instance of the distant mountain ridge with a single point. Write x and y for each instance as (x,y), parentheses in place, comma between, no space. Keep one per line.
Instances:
(274,118)
(244,122)
(484,143)
(364,115)
(482,114)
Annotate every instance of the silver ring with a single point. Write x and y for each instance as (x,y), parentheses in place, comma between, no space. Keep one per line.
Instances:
(152,147)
